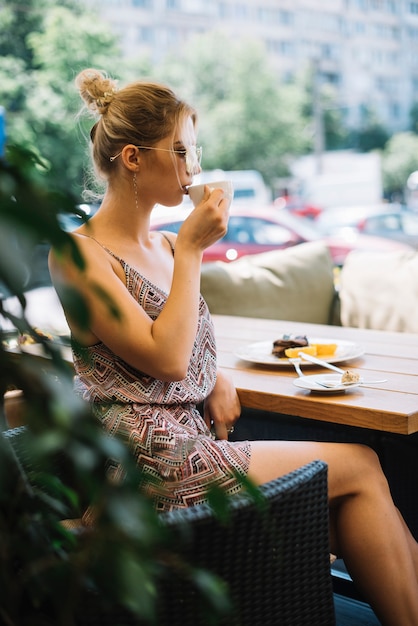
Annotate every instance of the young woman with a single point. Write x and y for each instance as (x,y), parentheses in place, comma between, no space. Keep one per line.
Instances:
(146,367)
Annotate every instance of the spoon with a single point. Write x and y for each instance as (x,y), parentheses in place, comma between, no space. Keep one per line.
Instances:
(330,366)
(313,359)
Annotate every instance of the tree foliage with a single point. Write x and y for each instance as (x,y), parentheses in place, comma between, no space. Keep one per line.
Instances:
(372,135)
(37,80)
(334,129)
(399,159)
(414,118)
(17,20)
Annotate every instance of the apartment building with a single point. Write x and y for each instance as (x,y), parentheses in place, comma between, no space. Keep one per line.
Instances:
(367,49)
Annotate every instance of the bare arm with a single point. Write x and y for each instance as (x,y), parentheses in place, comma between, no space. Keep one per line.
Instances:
(160,348)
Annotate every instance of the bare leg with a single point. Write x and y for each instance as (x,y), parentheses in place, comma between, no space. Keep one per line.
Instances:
(367,529)
(413,545)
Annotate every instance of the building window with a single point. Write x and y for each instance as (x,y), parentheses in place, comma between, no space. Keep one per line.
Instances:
(394,110)
(145,34)
(282,48)
(269,16)
(387,85)
(376,5)
(225,10)
(377,57)
(331,78)
(287,18)
(241,11)
(143,4)
(358,28)
(330,51)
(172,37)
(393,58)
(392,7)
(385,31)
(361,5)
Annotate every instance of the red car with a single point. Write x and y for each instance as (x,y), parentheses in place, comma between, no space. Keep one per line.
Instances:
(254,230)
(297,206)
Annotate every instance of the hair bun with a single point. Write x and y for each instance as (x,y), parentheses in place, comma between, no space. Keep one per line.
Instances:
(96,89)
(104,101)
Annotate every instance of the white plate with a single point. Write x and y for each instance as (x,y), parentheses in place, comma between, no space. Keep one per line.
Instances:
(260,352)
(312,383)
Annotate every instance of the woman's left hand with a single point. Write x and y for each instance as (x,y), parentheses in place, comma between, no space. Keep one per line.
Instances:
(222,407)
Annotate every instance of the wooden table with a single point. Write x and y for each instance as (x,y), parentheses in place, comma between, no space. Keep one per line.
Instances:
(390,406)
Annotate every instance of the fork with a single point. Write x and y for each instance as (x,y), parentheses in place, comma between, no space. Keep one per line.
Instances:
(295,362)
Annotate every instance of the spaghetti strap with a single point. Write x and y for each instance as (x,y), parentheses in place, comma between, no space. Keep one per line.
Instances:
(102,246)
(171,244)
(169,241)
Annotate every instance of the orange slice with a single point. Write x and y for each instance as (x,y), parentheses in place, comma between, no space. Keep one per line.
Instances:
(325,349)
(291,353)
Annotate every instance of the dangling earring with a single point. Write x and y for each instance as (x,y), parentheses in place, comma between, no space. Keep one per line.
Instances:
(135,191)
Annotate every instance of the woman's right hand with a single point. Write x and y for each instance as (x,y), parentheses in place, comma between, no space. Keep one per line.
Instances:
(208,222)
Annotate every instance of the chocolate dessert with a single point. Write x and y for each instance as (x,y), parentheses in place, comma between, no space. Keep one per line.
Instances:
(288,341)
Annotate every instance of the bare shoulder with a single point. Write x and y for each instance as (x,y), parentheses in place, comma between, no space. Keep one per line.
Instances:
(82,254)
(170,237)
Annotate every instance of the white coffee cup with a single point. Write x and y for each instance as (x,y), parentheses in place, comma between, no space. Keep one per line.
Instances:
(196,191)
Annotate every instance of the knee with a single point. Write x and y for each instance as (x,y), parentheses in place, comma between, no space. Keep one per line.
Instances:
(356,469)
(366,455)
(367,466)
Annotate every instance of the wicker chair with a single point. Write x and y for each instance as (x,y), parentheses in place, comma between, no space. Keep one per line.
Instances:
(275,560)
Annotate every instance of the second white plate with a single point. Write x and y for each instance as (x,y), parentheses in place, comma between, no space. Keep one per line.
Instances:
(313,383)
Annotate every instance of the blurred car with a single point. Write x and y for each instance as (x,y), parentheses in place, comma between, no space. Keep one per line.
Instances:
(398,225)
(335,219)
(298,206)
(255,230)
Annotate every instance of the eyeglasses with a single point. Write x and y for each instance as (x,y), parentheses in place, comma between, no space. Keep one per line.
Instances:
(192,154)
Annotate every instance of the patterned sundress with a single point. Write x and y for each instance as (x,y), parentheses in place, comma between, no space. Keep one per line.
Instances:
(160,420)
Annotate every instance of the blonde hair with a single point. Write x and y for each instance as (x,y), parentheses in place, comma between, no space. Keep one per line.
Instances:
(141,113)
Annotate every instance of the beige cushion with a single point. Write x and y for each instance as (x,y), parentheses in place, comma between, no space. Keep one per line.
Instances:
(380,291)
(293,284)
